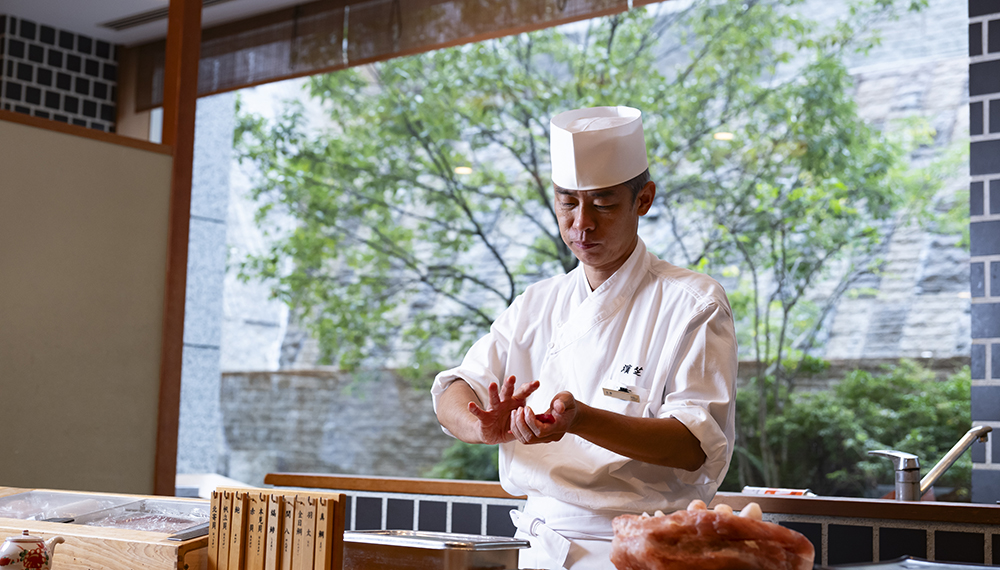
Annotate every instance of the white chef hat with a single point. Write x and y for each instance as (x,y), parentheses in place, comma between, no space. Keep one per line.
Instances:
(597,147)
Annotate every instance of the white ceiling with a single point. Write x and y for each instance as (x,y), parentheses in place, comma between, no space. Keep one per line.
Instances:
(86,16)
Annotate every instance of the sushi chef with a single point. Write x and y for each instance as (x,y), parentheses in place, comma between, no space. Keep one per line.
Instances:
(609,389)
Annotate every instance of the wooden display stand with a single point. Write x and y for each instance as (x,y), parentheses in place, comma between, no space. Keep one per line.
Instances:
(261,529)
(102,548)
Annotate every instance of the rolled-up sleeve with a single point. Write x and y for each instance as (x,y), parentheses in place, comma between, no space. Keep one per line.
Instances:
(702,391)
(485,362)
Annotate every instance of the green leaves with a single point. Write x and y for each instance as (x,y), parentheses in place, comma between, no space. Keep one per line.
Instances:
(824,437)
(398,259)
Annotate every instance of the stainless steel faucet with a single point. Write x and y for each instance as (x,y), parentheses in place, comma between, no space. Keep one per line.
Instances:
(977,432)
(907,467)
(909,486)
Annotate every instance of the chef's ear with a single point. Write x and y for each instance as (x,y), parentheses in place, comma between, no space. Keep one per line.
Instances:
(645,197)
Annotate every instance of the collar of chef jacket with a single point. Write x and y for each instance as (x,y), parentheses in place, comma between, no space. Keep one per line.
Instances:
(603,302)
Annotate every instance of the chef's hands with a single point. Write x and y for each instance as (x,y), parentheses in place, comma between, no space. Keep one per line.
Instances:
(495,421)
(528,428)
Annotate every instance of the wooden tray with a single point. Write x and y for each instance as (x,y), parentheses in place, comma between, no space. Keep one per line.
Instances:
(102,548)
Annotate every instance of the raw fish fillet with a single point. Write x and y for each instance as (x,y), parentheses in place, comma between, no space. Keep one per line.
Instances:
(702,539)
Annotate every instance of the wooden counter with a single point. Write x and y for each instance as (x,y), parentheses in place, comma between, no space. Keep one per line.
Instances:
(846,507)
(843,530)
(102,548)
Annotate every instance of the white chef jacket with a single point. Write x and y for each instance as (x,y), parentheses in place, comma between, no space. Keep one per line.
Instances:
(663,333)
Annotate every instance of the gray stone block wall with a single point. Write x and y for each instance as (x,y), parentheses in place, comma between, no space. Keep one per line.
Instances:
(984,208)
(326,422)
(199,438)
(253,323)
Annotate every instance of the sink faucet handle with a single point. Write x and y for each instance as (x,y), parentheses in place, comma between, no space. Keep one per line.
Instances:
(901,460)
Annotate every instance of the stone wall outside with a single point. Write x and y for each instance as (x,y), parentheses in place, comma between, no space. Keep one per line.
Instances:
(319,421)
(327,422)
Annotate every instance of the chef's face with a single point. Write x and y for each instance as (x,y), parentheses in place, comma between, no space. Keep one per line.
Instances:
(601,226)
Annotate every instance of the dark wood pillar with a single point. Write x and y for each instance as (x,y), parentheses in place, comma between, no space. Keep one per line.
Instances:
(179,103)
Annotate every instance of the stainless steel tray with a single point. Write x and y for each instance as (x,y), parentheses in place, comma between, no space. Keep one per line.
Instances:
(434,540)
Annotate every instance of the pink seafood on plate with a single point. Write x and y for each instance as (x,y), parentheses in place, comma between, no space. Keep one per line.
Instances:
(703,539)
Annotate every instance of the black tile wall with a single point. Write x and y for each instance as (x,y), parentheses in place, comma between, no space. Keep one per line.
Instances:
(976,39)
(56,74)
(976,194)
(959,547)
(977,279)
(985,155)
(985,485)
(985,236)
(981,7)
(466,518)
(984,78)
(399,514)
(896,542)
(15,47)
(984,246)
(986,403)
(498,521)
(985,321)
(369,513)
(347,508)
(849,544)
(47,35)
(433,516)
(978,362)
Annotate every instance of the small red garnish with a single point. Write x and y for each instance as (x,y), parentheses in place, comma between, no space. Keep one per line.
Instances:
(546,418)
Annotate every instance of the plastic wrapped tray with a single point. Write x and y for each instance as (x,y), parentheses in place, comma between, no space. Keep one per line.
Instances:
(151,515)
(45,505)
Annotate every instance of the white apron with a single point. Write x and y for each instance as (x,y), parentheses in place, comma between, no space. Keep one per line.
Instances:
(563,536)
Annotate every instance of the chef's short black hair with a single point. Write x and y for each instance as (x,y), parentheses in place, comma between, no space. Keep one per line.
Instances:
(635,184)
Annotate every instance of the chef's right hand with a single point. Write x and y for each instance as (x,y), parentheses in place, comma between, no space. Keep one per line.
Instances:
(529,428)
(494,422)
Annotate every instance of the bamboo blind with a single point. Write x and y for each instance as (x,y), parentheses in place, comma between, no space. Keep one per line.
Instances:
(327,35)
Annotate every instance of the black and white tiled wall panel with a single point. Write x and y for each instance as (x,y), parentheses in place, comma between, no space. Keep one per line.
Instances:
(836,539)
(984,238)
(55,74)
(854,540)
(432,513)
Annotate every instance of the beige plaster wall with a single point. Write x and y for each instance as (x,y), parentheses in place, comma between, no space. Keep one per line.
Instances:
(83,241)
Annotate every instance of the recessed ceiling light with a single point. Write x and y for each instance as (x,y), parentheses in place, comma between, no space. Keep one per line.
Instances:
(723,136)
(463,170)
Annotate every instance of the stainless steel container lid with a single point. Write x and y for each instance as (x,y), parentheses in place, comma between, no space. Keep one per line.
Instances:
(434,540)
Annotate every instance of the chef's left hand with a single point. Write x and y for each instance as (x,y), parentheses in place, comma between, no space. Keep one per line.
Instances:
(528,429)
